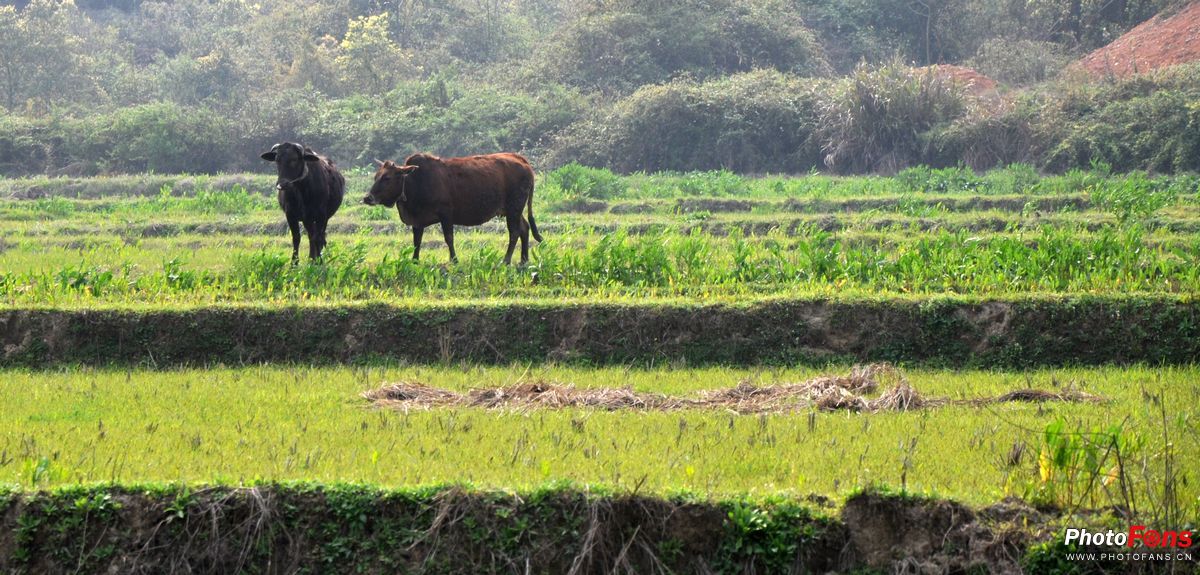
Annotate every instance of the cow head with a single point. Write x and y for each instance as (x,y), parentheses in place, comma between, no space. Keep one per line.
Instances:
(391,184)
(291,162)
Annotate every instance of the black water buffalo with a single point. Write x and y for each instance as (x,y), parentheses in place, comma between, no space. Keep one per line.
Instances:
(310,192)
(459,191)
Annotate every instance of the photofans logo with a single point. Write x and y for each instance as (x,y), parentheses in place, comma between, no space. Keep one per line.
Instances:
(1139,543)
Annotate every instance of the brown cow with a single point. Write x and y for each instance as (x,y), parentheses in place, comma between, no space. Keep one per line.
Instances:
(459,191)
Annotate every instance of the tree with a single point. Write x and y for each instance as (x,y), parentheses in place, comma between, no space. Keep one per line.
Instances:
(45,56)
(12,45)
(369,58)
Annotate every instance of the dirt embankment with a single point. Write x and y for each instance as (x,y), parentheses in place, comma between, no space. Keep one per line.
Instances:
(970,80)
(356,529)
(1162,41)
(944,331)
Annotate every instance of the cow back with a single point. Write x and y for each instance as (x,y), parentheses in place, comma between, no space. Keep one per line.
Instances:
(471,190)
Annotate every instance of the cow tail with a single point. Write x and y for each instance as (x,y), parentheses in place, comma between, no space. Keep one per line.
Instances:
(532,224)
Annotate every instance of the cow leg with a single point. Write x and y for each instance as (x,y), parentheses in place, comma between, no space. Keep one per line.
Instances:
(524,240)
(448,234)
(418,231)
(294,225)
(514,231)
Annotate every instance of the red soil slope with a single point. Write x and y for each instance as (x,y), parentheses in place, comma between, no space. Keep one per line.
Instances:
(1156,43)
(975,83)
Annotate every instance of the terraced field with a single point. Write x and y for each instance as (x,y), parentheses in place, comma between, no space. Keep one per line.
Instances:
(153,330)
(700,235)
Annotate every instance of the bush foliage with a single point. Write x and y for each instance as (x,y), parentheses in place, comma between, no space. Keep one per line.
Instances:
(99,86)
(620,46)
(760,121)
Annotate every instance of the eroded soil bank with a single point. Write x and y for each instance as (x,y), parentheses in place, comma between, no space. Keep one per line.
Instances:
(355,529)
(943,331)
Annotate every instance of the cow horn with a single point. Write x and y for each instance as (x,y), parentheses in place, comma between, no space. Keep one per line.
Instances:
(378,161)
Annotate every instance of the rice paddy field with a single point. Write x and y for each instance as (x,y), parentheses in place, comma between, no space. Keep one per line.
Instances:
(240,425)
(1072,295)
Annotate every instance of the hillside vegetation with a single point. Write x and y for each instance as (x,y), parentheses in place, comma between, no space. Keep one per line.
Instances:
(105,87)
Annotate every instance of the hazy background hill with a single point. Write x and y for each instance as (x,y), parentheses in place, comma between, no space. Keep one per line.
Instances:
(111,86)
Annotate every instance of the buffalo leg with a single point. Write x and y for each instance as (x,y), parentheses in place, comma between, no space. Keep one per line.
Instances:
(321,226)
(418,231)
(310,228)
(514,231)
(448,234)
(294,225)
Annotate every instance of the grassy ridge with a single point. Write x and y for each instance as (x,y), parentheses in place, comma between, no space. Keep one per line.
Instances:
(959,331)
(573,183)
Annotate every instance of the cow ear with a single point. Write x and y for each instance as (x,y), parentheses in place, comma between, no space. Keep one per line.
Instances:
(309,156)
(406,170)
(268,156)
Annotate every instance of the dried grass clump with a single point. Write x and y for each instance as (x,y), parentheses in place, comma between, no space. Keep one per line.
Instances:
(902,397)
(411,393)
(541,394)
(827,392)
(1041,395)
(861,379)
(746,397)
(835,398)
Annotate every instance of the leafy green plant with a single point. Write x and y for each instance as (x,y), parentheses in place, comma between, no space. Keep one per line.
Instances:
(54,207)
(768,537)
(1133,198)
(235,200)
(1074,467)
(574,181)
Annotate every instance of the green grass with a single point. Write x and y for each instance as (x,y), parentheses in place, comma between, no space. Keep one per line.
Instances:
(608,264)
(241,425)
(188,242)
(200,239)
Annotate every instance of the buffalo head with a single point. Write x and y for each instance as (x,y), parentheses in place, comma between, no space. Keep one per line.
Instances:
(291,161)
(391,184)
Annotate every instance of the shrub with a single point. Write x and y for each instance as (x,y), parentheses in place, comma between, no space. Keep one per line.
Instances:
(1159,132)
(23,150)
(157,137)
(621,46)
(1020,62)
(443,116)
(984,140)
(879,119)
(760,121)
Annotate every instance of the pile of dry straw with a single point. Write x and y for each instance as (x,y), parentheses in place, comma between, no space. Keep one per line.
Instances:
(828,392)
